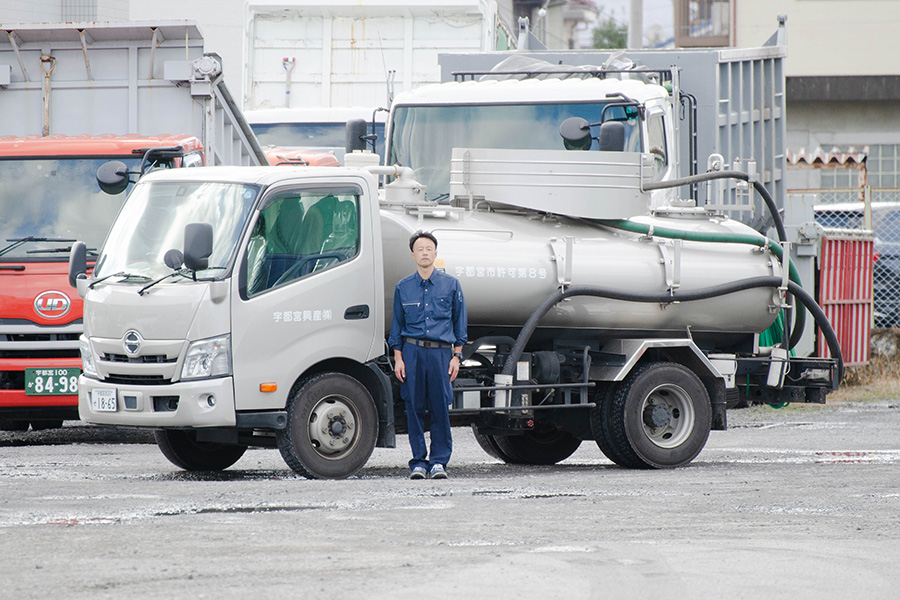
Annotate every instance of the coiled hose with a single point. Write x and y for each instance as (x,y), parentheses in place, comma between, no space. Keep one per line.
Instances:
(788,339)
(664,298)
(758,240)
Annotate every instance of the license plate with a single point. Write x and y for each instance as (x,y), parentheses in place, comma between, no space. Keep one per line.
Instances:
(103,400)
(56,381)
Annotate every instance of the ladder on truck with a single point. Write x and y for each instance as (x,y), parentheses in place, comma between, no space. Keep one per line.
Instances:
(143,78)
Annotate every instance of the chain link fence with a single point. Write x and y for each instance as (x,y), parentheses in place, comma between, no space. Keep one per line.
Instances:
(878,210)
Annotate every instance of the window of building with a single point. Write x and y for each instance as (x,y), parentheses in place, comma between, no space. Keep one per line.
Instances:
(882,176)
(702,23)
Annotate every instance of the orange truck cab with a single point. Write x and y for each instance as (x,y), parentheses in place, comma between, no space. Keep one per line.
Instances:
(49,197)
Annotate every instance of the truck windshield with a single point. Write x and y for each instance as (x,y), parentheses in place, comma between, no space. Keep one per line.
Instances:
(312,136)
(47,203)
(153,219)
(423,137)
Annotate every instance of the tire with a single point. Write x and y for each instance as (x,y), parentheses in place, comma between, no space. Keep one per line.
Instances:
(600,420)
(332,427)
(488,443)
(543,445)
(184,451)
(13,425)
(659,417)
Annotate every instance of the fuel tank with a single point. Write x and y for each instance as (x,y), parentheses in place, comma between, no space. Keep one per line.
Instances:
(509,261)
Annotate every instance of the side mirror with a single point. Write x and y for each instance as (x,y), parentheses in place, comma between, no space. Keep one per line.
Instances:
(612,136)
(355,135)
(198,245)
(77,263)
(112,177)
(576,132)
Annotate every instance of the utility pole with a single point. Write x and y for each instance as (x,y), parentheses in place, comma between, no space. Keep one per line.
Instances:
(636,25)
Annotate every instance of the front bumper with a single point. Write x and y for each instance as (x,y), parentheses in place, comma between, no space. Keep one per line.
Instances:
(182,404)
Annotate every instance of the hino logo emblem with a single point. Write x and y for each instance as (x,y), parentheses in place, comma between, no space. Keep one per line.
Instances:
(132,342)
(52,304)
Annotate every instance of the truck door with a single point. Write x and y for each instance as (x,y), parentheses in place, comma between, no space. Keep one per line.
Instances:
(306,289)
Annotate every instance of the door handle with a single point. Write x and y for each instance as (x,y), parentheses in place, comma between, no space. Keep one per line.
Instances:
(354,313)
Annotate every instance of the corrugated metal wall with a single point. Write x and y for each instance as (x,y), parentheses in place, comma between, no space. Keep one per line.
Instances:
(846,293)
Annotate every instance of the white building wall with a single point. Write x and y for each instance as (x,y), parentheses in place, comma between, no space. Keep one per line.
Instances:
(54,11)
(826,37)
(221,22)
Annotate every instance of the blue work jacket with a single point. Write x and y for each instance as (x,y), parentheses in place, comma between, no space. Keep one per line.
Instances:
(428,309)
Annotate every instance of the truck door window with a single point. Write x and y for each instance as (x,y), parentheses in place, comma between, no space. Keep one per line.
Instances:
(656,144)
(301,233)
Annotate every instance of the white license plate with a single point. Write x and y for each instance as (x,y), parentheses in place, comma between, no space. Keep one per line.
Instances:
(103,400)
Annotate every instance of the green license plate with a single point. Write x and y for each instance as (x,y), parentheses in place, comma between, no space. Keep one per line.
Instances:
(56,381)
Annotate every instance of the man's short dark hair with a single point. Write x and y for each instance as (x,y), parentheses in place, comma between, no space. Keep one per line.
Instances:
(421,234)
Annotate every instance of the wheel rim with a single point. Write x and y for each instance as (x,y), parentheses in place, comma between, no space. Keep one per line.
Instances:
(667,416)
(333,427)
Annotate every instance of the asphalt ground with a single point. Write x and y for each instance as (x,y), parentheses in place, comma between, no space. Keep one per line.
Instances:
(802,502)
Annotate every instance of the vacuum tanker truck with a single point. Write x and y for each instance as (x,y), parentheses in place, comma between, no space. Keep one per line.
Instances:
(239,306)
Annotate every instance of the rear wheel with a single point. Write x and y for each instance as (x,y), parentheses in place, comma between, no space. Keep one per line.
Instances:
(488,443)
(659,417)
(332,427)
(600,419)
(184,451)
(543,445)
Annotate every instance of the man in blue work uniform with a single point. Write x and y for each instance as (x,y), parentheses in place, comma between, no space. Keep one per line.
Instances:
(428,332)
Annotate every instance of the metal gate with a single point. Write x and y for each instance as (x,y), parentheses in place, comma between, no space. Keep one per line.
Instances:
(846,291)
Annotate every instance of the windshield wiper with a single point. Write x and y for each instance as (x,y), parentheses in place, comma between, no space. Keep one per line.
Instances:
(54,250)
(182,272)
(16,242)
(124,274)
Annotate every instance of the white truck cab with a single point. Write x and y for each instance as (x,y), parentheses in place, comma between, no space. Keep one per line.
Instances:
(202,340)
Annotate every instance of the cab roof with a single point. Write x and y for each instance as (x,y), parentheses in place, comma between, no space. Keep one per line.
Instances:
(262,176)
(514,91)
(90,145)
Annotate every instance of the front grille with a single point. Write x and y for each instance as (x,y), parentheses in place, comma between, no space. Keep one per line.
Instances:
(40,354)
(147,359)
(137,379)
(38,337)
(20,338)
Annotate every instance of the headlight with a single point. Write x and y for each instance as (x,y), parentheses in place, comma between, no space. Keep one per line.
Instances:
(87,357)
(208,358)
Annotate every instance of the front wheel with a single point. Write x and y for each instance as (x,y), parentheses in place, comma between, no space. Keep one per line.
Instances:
(13,425)
(184,451)
(659,417)
(332,427)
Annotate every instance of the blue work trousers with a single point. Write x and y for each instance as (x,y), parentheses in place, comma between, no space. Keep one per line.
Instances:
(427,388)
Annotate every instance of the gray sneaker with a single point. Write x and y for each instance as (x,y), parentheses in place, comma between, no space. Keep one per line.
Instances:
(438,472)
(417,473)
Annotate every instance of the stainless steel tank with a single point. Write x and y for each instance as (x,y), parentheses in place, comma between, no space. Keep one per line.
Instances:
(509,261)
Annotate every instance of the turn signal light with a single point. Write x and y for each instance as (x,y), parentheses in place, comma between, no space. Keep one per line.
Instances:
(268,387)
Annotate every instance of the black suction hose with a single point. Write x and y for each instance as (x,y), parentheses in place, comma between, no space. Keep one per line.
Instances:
(729,238)
(702,177)
(770,204)
(666,298)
